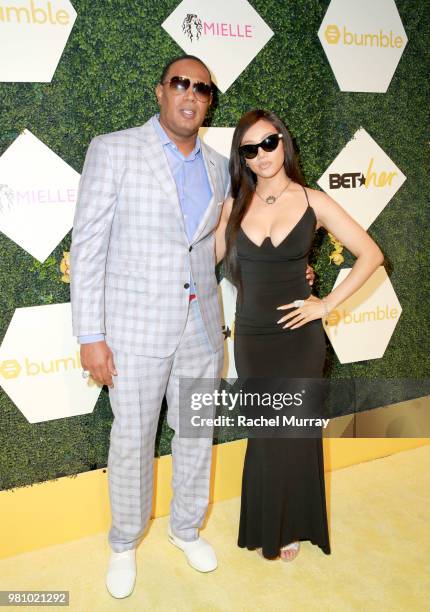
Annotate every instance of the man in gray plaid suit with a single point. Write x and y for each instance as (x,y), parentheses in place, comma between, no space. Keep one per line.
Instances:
(145,304)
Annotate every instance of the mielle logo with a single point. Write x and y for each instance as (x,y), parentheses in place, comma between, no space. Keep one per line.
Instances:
(363,316)
(11,368)
(349,180)
(44,195)
(334,35)
(193,27)
(34,14)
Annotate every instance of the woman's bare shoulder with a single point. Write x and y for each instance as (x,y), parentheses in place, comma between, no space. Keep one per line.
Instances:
(316,194)
(317,200)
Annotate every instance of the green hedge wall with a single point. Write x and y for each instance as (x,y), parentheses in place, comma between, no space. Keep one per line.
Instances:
(105,81)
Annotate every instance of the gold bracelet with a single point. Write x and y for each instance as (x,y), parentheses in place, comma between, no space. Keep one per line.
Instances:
(326,309)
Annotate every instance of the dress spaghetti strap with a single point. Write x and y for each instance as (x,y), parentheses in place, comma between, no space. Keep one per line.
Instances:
(306,194)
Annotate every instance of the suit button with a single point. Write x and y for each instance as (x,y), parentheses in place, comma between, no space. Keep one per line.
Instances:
(187,286)
(190,249)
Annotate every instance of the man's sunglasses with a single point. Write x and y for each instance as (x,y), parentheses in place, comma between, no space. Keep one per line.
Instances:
(180,84)
(249,151)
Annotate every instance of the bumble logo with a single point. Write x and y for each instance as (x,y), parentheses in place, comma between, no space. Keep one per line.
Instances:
(372,40)
(33,34)
(40,366)
(364,316)
(34,14)
(361,327)
(53,366)
(10,368)
(332,34)
(333,318)
(364,42)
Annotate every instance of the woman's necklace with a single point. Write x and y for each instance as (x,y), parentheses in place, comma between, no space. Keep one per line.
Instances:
(271,199)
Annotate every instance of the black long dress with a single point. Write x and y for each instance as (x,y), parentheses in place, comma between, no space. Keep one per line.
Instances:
(283,492)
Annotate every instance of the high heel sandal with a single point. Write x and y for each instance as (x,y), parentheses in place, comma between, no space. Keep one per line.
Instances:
(294,547)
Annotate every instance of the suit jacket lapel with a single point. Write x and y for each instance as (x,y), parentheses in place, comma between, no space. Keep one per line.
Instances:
(155,157)
(216,197)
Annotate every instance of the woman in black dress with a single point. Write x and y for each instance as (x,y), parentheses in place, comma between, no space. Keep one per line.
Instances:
(265,235)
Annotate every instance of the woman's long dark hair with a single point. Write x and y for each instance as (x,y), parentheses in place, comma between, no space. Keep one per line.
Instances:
(243,182)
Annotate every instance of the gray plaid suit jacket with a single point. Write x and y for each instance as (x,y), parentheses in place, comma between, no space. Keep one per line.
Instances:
(130,255)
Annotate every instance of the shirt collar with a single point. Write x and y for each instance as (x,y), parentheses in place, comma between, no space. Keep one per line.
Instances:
(166,141)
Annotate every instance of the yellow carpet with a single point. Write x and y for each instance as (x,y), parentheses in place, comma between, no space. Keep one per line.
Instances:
(379,517)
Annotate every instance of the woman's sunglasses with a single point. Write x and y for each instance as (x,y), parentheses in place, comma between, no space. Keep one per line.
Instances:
(180,84)
(249,151)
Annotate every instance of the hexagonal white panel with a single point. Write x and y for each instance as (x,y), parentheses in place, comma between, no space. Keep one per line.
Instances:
(227,294)
(38,192)
(362,178)
(364,41)
(33,34)
(361,327)
(226,35)
(219,138)
(40,367)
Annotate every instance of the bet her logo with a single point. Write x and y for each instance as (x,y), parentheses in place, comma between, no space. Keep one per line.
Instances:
(34,14)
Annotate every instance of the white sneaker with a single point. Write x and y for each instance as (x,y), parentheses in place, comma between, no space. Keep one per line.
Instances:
(199,553)
(121,574)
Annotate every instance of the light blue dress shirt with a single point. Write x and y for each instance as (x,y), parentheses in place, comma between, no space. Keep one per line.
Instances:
(194,191)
